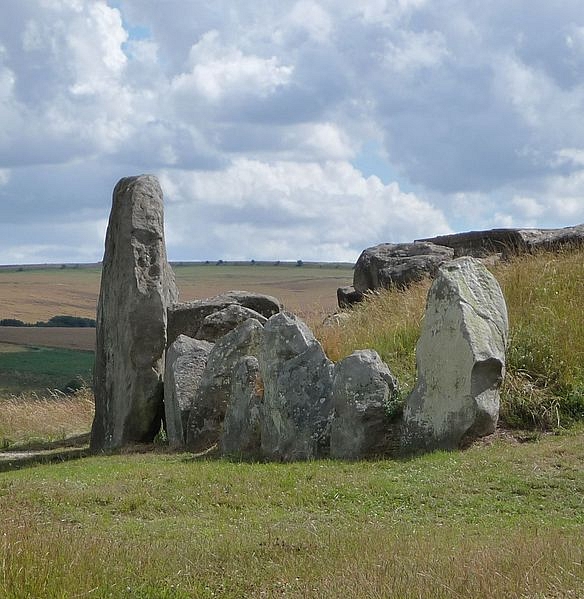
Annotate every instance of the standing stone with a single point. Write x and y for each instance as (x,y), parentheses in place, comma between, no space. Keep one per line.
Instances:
(297,406)
(364,395)
(241,435)
(460,360)
(186,359)
(214,390)
(137,286)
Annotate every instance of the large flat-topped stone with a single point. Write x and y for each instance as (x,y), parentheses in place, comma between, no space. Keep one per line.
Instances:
(508,241)
(460,360)
(137,286)
(397,264)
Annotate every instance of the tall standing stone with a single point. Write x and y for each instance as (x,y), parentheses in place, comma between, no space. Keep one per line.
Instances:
(137,286)
(460,359)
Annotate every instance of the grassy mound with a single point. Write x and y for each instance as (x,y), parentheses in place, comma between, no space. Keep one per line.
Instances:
(544,387)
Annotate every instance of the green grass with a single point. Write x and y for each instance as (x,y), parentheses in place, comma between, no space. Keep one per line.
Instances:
(40,369)
(500,521)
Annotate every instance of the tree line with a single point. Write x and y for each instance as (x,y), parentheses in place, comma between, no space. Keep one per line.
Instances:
(55,321)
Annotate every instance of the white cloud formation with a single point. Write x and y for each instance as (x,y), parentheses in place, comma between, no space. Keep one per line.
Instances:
(253,113)
(217,71)
(306,210)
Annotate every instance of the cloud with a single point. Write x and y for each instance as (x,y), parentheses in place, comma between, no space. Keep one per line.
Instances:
(304,210)
(255,114)
(218,71)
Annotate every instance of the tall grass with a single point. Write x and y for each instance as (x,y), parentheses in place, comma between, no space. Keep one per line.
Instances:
(544,292)
(545,299)
(388,321)
(27,417)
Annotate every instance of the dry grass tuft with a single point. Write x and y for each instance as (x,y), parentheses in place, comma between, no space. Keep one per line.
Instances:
(388,321)
(27,417)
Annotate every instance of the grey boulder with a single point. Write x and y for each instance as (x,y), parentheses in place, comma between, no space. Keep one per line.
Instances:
(347,296)
(241,433)
(214,391)
(187,318)
(364,393)
(186,359)
(297,407)
(460,360)
(220,323)
(398,264)
(137,286)
(510,241)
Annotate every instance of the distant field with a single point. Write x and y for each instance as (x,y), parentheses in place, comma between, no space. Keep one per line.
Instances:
(307,290)
(38,294)
(38,369)
(34,294)
(68,338)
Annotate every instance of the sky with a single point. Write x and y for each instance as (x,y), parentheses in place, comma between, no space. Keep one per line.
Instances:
(288,129)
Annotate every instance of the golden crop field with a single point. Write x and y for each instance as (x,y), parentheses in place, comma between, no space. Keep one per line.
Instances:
(33,295)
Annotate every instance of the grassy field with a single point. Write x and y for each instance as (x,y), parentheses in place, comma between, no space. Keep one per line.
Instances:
(498,521)
(33,295)
(38,369)
(29,420)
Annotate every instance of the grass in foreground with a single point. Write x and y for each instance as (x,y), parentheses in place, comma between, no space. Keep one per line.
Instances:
(27,418)
(504,521)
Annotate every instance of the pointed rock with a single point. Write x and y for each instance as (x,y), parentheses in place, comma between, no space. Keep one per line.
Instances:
(214,391)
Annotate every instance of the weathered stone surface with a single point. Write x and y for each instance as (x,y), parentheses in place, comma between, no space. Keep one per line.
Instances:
(214,391)
(347,296)
(137,286)
(241,435)
(509,241)
(460,359)
(186,359)
(187,318)
(220,323)
(364,393)
(297,407)
(398,264)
